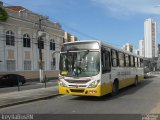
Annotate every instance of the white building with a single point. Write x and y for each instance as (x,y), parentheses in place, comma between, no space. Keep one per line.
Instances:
(69,38)
(141,48)
(19,51)
(150,39)
(128,47)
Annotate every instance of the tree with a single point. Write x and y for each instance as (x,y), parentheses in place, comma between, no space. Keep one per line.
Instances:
(3,14)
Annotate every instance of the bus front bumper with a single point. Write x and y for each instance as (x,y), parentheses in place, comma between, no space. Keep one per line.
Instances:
(100,90)
(80,91)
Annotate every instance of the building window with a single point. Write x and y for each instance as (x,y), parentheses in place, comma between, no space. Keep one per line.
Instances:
(53,64)
(52,44)
(11,65)
(26,41)
(10,39)
(27,65)
(41,44)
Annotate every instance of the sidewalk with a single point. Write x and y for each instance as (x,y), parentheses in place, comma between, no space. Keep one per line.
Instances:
(19,97)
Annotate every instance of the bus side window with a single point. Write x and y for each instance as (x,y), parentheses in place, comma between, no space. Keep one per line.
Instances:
(106,65)
(141,62)
(132,61)
(127,60)
(114,58)
(139,65)
(121,59)
(136,62)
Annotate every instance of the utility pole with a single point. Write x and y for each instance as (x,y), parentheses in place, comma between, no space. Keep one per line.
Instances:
(41,34)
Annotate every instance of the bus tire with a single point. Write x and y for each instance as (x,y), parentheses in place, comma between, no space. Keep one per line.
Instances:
(136,81)
(115,88)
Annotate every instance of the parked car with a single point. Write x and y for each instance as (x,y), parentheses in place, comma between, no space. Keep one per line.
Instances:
(147,75)
(12,79)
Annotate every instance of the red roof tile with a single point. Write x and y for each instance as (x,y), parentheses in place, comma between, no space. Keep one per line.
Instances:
(16,8)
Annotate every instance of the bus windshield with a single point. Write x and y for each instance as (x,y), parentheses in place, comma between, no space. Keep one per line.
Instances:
(80,63)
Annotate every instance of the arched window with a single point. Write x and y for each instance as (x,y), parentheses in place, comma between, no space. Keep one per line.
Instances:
(26,41)
(52,44)
(10,39)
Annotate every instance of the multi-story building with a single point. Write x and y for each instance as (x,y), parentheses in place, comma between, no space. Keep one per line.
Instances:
(19,51)
(150,39)
(69,38)
(73,38)
(128,47)
(141,48)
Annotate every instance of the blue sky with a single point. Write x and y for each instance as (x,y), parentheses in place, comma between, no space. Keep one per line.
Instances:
(113,21)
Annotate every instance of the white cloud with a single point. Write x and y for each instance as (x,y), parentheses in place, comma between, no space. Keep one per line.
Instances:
(130,7)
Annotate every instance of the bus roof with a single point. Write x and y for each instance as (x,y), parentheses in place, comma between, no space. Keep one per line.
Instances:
(105,45)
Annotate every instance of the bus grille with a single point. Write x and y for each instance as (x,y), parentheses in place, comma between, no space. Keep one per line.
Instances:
(77,86)
(78,81)
(79,91)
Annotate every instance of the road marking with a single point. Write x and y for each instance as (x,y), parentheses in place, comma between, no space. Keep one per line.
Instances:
(61,96)
(73,111)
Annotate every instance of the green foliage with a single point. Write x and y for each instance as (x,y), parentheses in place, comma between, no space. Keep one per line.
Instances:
(3,14)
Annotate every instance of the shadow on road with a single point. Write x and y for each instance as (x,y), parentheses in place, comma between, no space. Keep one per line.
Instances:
(151,76)
(125,91)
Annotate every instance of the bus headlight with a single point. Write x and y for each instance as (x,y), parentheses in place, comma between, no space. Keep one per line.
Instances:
(94,84)
(62,84)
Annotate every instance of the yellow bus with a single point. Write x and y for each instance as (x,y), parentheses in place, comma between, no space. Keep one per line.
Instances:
(92,68)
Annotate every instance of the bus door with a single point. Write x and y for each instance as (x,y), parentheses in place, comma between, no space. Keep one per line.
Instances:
(106,65)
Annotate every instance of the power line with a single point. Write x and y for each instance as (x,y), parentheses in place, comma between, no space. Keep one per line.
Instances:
(83,34)
(86,35)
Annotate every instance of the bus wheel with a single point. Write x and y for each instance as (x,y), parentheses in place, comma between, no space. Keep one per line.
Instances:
(115,88)
(136,81)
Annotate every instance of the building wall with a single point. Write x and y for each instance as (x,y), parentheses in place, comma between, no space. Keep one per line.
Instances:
(20,25)
(69,38)
(74,38)
(141,48)
(150,39)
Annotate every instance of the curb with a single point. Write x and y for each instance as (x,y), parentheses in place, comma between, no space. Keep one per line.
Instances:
(29,100)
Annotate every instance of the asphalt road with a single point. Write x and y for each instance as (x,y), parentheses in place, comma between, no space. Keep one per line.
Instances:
(28,85)
(145,98)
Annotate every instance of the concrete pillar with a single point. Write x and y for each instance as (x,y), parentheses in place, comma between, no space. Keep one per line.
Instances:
(19,51)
